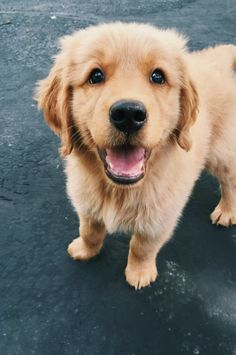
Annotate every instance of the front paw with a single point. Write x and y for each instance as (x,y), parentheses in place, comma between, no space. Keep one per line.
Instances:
(141,274)
(79,250)
(223,216)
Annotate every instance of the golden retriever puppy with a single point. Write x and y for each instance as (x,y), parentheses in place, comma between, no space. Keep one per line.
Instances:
(139,117)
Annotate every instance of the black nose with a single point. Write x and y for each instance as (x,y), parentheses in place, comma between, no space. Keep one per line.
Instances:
(128,116)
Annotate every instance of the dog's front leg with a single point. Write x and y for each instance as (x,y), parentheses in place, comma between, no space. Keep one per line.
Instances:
(90,241)
(141,268)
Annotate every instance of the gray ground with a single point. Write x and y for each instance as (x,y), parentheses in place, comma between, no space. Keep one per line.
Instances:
(52,305)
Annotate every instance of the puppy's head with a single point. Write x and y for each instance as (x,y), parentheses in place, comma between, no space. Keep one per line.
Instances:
(119,91)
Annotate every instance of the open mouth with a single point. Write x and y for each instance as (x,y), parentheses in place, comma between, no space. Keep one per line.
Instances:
(125,164)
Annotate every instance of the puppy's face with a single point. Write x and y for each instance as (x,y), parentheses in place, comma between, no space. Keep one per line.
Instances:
(119,91)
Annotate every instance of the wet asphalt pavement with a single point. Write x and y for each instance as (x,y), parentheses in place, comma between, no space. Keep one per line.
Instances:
(52,305)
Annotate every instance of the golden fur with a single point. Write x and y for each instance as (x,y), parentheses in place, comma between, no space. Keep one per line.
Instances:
(191,125)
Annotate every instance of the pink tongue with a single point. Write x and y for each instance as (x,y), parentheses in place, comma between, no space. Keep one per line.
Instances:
(127,162)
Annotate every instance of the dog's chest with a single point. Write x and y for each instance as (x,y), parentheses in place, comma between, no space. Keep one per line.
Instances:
(127,211)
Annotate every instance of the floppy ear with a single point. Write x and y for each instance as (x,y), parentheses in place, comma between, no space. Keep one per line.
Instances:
(188,112)
(53,95)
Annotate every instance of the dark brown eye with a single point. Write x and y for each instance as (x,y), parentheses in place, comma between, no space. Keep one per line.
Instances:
(96,76)
(157,77)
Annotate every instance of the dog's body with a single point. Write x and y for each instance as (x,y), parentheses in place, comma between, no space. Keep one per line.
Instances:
(190,124)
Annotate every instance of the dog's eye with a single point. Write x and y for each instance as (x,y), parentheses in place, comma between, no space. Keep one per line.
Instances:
(157,77)
(96,76)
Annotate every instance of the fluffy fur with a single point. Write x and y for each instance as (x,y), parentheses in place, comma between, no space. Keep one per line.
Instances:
(191,125)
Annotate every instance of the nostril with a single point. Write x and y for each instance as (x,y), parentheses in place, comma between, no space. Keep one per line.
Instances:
(119,116)
(140,116)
